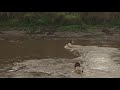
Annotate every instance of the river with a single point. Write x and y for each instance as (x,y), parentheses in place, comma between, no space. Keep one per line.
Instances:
(49,59)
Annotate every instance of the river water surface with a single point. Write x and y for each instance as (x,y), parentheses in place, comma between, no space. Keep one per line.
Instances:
(49,58)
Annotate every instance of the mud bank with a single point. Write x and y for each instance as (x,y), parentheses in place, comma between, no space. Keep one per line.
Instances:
(94,36)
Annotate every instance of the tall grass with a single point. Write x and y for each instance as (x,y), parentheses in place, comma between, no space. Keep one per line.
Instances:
(64,20)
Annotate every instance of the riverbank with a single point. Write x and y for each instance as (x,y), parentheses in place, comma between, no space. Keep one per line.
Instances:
(98,37)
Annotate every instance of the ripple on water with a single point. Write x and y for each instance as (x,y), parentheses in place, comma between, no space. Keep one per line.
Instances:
(99,60)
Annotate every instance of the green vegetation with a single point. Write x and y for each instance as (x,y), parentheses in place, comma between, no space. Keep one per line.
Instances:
(32,22)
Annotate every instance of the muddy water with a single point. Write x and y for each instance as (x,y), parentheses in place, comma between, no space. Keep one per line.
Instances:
(49,58)
(100,62)
(33,49)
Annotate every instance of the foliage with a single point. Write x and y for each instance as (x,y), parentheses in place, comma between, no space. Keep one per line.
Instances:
(71,21)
